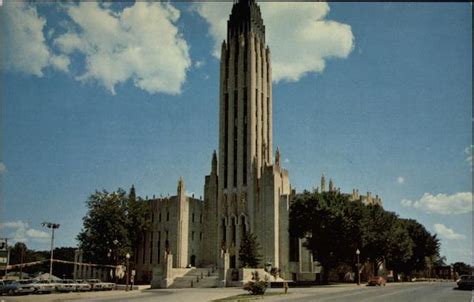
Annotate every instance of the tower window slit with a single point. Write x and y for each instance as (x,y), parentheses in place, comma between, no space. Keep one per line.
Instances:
(226,135)
(151,248)
(235,136)
(244,176)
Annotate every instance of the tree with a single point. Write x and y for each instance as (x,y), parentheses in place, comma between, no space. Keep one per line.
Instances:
(334,228)
(138,213)
(424,246)
(249,255)
(329,225)
(112,225)
(462,268)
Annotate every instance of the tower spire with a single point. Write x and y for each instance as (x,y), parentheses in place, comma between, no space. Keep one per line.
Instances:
(323,183)
(277,157)
(214,163)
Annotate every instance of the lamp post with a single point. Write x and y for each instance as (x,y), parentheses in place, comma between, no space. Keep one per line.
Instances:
(115,242)
(126,271)
(358,268)
(52,226)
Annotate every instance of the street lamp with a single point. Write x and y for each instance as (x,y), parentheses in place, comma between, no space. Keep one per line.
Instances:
(358,268)
(126,271)
(52,226)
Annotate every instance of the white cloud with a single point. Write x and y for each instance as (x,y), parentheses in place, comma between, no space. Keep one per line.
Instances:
(20,231)
(299,36)
(469,152)
(406,203)
(140,43)
(459,203)
(400,180)
(200,63)
(3,168)
(447,233)
(23,42)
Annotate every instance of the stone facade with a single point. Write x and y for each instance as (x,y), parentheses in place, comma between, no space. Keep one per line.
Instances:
(354,196)
(177,227)
(247,189)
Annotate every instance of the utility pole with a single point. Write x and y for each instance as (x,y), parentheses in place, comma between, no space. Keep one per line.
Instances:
(21,261)
(52,226)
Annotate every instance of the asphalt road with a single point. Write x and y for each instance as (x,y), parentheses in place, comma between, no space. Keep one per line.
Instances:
(401,292)
(404,292)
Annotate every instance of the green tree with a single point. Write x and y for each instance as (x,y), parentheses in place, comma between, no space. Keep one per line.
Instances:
(112,225)
(330,226)
(249,252)
(462,268)
(138,213)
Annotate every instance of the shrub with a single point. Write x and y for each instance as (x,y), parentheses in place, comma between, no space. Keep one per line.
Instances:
(256,287)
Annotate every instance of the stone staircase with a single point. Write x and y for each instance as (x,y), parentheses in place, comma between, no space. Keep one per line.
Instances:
(194,275)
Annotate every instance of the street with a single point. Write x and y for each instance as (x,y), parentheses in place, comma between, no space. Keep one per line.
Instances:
(419,292)
(401,292)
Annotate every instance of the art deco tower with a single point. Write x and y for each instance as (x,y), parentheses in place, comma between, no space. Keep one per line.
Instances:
(245,135)
(245,130)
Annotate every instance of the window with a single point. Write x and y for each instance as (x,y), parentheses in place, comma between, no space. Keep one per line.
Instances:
(159,217)
(158,247)
(200,236)
(224,237)
(192,217)
(167,216)
(234,230)
(244,176)
(192,236)
(200,218)
(235,136)
(151,248)
(226,135)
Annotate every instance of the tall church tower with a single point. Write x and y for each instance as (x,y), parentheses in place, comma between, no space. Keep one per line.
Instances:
(251,193)
(245,129)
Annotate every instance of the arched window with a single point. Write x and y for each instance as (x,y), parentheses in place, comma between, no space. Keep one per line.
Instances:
(224,235)
(234,230)
(243,226)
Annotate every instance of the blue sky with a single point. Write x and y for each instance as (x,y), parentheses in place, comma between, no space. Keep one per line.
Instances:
(376,95)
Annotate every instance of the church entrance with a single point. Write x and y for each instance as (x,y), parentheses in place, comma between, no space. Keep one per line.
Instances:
(193,260)
(232,263)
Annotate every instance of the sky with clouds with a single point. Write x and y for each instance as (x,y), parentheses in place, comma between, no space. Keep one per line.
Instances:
(100,96)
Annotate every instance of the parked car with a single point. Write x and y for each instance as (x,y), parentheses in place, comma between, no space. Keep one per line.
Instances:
(465,282)
(66,285)
(82,285)
(44,286)
(377,280)
(16,288)
(96,284)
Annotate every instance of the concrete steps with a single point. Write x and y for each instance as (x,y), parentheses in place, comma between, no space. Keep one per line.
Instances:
(194,275)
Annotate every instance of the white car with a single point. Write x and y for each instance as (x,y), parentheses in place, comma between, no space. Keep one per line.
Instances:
(66,285)
(82,285)
(44,286)
(96,284)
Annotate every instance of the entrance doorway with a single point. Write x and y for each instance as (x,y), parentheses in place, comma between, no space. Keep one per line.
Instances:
(193,260)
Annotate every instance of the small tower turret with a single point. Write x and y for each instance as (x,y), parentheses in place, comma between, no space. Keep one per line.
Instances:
(323,184)
(331,185)
(277,157)
(214,163)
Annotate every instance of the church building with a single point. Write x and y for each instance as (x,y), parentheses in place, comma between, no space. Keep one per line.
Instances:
(247,190)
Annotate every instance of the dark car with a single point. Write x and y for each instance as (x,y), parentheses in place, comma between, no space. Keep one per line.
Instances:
(16,288)
(465,282)
(377,280)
